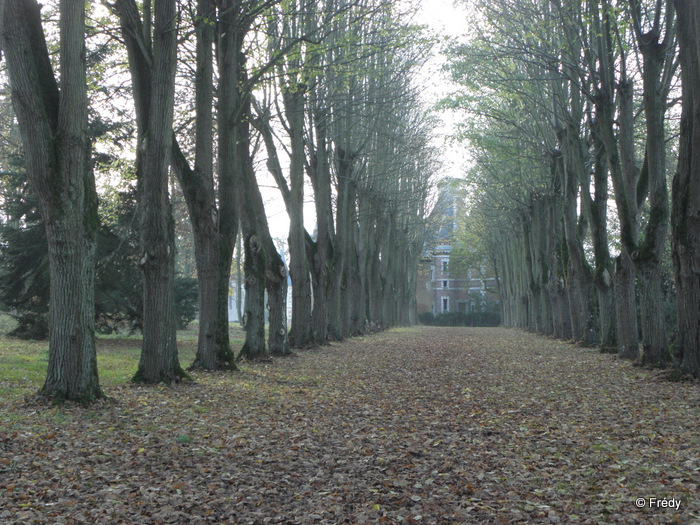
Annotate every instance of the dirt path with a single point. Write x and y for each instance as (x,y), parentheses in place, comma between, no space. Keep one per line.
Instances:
(420,425)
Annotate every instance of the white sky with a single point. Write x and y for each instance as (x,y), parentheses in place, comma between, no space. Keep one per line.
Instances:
(450,20)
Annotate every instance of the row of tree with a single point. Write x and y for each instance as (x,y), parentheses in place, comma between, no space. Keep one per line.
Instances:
(326,88)
(574,105)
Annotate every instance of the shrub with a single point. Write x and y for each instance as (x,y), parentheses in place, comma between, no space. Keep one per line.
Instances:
(186,300)
(427,318)
(461,319)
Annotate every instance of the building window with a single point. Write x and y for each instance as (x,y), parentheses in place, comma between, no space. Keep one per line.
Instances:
(444,284)
(445,304)
(444,266)
(432,273)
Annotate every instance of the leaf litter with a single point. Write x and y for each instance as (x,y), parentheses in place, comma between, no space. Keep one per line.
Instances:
(417,425)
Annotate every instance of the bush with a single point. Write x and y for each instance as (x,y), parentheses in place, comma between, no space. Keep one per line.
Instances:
(461,319)
(427,318)
(31,325)
(186,300)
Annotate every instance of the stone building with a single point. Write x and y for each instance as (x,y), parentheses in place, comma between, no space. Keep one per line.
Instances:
(440,290)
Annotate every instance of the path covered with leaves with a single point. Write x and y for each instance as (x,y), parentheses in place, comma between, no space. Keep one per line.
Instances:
(419,425)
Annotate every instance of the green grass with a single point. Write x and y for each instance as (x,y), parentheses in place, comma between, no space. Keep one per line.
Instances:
(23,363)
(22,366)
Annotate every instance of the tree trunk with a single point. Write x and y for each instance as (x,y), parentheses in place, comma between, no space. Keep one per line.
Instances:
(159,359)
(340,306)
(685,214)
(323,253)
(578,274)
(198,189)
(357,287)
(650,253)
(276,279)
(263,268)
(300,333)
(626,307)
(596,209)
(201,202)
(57,154)
(619,152)
(229,42)
(254,316)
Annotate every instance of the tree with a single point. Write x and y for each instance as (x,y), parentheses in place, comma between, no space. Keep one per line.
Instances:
(572,67)
(685,213)
(213,348)
(53,121)
(154,99)
(656,42)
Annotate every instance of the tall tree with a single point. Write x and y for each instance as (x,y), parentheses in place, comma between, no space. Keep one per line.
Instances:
(239,192)
(213,348)
(151,47)
(656,40)
(53,120)
(685,214)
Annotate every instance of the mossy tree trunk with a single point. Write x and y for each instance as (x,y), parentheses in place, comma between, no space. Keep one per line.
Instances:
(54,131)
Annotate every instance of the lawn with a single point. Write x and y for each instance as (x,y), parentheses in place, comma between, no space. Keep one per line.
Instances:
(23,363)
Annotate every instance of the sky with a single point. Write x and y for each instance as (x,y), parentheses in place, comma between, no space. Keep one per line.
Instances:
(445,16)
(448,19)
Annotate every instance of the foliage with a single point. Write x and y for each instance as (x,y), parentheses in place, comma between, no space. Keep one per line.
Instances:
(24,278)
(425,425)
(24,265)
(186,296)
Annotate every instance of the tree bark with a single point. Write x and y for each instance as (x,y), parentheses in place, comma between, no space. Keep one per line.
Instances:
(57,153)
(619,153)
(323,253)
(300,333)
(231,29)
(159,358)
(685,213)
(198,188)
(237,183)
(647,258)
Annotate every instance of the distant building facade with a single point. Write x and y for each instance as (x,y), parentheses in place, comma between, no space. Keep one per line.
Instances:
(439,290)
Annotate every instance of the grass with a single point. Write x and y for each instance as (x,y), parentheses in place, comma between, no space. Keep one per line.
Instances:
(23,363)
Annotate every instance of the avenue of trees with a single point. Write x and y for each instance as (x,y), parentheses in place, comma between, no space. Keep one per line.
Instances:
(106,109)
(583,119)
